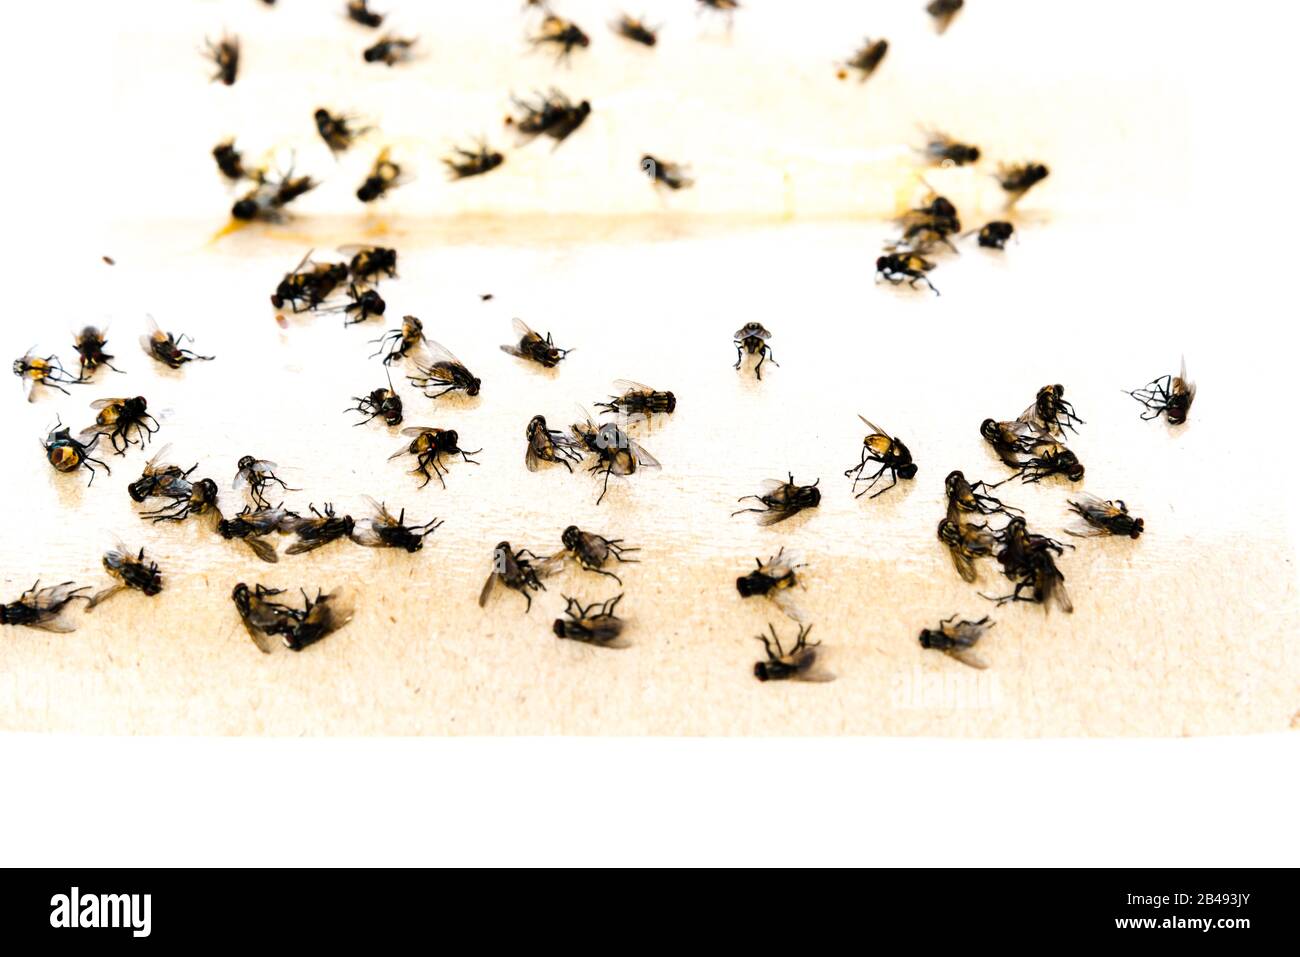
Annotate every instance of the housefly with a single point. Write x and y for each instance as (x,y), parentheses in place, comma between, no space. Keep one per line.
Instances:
(799,663)
(319,529)
(1007,439)
(616,453)
(662,173)
(781,500)
(382,530)
(359,12)
(635,30)
(592,551)
(966,543)
(865,60)
(637,401)
(390,50)
(361,305)
(547,445)
(224,55)
(957,639)
(1018,179)
(257,475)
(1171,395)
(261,613)
(308,284)
(1102,517)
(382,403)
(158,477)
(1029,560)
(320,617)
(384,175)
(751,339)
(775,579)
(899,267)
(534,348)
(892,455)
(252,526)
(47,372)
(429,446)
(726,8)
(942,12)
(130,571)
(370,262)
(994,235)
(1051,414)
(595,624)
(439,372)
(118,419)
(338,131)
(266,202)
(520,571)
(67,454)
(942,150)
(463,163)
(43,608)
(563,34)
(89,343)
(229,160)
(397,343)
(186,498)
(971,498)
(167,348)
(552,115)
(1045,457)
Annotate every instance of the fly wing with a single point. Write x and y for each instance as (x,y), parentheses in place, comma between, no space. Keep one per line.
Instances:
(487,589)
(102,594)
(809,669)
(784,599)
(1062,597)
(262,548)
(522,330)
(432,352)
(514,351)
(365,532)
(773,516)
(643,458)
(871,425)
(968,656)
(965,567)
(530,457)
(627,385)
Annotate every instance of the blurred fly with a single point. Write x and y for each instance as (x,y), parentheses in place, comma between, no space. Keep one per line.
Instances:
(942,12)
(564,35)
(89,343)
(635,30)
(903,266)
(390,50)
(942,150)
(370,262)
(338,131)
(552,115)
(359,12)
(384,175)
(865,60)
(1020,178)
(229,160)
(463,163)
(662,173)
(224,55)
(994,235)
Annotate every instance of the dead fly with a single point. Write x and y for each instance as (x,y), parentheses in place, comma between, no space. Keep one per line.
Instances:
(616,453)
(534,348)
(866,60)
(158,477)
(892,455)
(782,500)
(594,625)
(338,132)
(257,475)
(635,30)
(229,161)
(361,305)
(266,202)
(382,403)
(1103,517)
(390,50)
(1045,457)
(796,664)
(942,150)
(43,607)
(726,8)
(429,445)
(774,579)
(439,372)
(547,445)
(89,343)
(942,12)
(384,175)
(225,56)
(592,551)
(67,454)
(320,529)
(1169,394)
(898,267)
(1029,560)
(47,372)
(369,262)
(1007,439)
(251,526)
(752,338)
(957,639)
(118,418)
(551,115)
(463,163)
(187,498)
(1051,414)
(261,615)
(971,499)
(966,543)
(1020,178)
(520,571)
(308,284)
(397,343)
(382,530)
(359,12)
(563,34)
(927,226)
(994,235)
(166,347)
(638,401)
(663,173)
(131,571)
(320,617)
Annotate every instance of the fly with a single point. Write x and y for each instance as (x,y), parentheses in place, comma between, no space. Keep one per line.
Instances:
(397,343)
(382,530)
(130,571)
(1103,517)
(752,339)
(592,551)
(43,608)
(547,445)
(892,455)
(781,500)
(957,639)
(429,446)
(89,343)
(799,663)
(1170,395)
(520,571)
(616,453)
(595,624)
(775,579)
(166,347)
(67,454)
(534,348)
(439,372)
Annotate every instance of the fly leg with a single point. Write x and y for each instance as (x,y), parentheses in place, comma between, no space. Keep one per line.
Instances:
(893,475)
